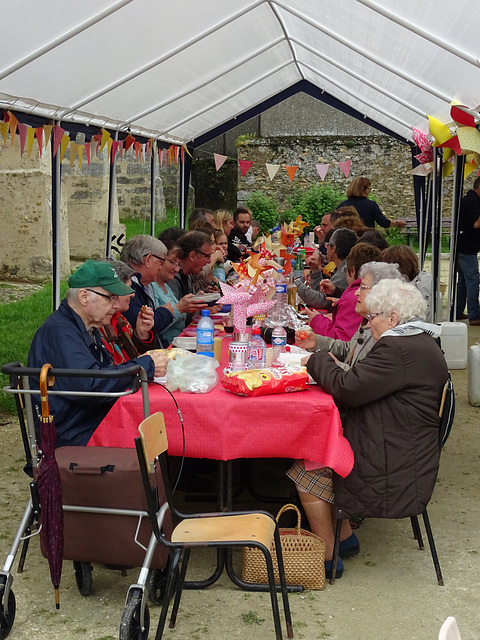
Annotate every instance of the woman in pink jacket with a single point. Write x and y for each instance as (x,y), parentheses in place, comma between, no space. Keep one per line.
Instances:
(345,321)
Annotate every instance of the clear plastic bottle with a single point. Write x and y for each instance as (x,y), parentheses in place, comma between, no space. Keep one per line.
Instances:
(257,350)
(218,271)
(205,329)
(279,343)
(278,313)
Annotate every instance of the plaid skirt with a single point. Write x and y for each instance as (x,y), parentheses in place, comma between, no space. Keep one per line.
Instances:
(318,482)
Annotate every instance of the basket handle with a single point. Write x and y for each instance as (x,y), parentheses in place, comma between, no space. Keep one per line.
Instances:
(291,507)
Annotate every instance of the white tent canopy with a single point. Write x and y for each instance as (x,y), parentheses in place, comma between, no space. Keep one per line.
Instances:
(175,71)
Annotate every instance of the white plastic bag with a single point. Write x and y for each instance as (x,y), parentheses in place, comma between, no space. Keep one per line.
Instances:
(192,373)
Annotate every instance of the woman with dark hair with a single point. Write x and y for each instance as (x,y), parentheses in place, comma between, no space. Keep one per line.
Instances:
(368,210)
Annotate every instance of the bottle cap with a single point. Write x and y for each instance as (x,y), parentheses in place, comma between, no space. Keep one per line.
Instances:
(256,330)
(205,312)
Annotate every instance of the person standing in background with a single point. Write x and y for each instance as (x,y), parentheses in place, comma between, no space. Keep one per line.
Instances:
(467,260)
(368,210)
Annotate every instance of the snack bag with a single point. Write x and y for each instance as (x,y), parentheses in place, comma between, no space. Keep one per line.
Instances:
(262,382)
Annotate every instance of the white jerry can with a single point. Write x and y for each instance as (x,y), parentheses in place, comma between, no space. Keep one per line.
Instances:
(454,340)
(474,375)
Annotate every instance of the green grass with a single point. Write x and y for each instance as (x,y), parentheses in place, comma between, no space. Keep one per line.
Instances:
(18,323)
(136,227)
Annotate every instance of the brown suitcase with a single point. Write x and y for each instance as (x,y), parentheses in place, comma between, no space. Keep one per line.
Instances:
(106,477)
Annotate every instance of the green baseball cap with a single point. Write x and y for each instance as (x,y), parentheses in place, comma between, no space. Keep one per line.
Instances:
(99,274)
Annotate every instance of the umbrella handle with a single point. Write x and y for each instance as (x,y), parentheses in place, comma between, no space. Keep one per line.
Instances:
(44,381)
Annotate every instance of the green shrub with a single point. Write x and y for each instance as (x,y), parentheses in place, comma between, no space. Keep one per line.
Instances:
(264,209)
(313,203)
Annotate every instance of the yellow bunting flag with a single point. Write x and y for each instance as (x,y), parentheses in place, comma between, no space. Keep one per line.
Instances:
(30,139)
(13,126)
(109,145)
(80,154)
(47,132)
(73,152)
(105,138)
(439,131)
(447,168)
(39,136)
(4,126)
(63,146)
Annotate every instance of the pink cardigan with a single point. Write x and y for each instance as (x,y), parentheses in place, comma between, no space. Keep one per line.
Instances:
(345,321)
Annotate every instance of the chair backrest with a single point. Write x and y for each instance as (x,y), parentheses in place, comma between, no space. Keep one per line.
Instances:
(154,436)
(447,411)
(449,630)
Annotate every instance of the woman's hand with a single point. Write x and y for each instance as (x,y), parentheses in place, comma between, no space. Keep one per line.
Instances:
(311,314)
(217,256)
(305,339)
(326,286)
(188,305)
(145,321)
(160,361)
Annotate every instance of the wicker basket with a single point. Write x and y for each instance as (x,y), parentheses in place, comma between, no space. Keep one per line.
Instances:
(303,557)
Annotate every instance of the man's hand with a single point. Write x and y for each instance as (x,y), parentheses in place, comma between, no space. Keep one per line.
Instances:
(326,286)
(187,305)
(160,361)
(318,231)
(313,261)
(305,339)
(144,322)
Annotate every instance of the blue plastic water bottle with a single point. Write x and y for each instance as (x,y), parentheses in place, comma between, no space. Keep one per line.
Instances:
(205,329)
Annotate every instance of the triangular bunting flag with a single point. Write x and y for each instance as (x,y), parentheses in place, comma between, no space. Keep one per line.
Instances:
(245,166)
(80,154)
(39,135)
(322,170)
(73,152)
(272,170)
(219,160)
(13,126)
(129,140)
(291,172)
(345,167)
(47,132)
(57,138)
(63,146)
(4,126)
(109,146)
(30,139)
(460,114)
(120,148)
(114,149)
(105,138)
(22,132)
(87,151)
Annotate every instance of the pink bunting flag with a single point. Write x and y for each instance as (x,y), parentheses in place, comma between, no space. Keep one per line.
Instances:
(345,167)
(120,148)
(219,160)
(425,156)
(39,134)
(57,138)
(87,151)
(245,166)
(22,132)
(420,139)
(322,170)
(114,149)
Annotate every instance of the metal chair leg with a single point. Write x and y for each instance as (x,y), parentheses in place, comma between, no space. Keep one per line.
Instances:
(283,584)
(417,534)
(169,589)
(336,548)
(273,594)
(433,550)
(179,587)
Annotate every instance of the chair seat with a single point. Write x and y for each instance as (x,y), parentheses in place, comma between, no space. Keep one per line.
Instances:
(256,527)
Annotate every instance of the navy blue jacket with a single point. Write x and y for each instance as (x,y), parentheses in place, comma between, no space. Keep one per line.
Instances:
(162,316)
(64,341)
(469,238)
(368,210)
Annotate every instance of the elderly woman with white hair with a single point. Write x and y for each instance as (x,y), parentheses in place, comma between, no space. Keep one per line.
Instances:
(389,404)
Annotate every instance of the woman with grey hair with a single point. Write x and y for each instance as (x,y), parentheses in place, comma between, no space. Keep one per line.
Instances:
(347,353)
(146,254)
(389,409)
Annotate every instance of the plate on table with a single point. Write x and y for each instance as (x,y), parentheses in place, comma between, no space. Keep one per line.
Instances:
(187,343)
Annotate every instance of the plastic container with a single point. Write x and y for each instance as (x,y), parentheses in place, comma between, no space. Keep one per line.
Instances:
(257,350)
(205,329)
(454,339)
(277,312)
(474,375)
(218,272)
(279,342)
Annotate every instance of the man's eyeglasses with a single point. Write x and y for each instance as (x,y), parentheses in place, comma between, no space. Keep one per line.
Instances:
(158,257)
(371,316)
(205,255)
(112,298)
(177,265)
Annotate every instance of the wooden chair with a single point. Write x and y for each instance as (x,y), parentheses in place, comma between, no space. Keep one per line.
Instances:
(218,530)
(446,415)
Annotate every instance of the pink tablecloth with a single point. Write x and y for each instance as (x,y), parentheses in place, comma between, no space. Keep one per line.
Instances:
(222,426)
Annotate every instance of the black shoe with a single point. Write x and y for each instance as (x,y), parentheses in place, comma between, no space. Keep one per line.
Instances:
(474,323)
(462,316)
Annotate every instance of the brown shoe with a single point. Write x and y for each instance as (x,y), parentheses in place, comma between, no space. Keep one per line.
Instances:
(462,316)
(475,323)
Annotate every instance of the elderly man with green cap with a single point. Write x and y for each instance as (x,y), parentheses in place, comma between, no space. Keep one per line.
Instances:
(69,338)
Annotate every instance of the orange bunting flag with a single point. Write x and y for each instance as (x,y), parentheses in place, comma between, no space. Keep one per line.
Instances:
(245,166)
(345,167)
(219,160)
(129,140)
(22,132)
(30,139)
(4,126)
(87,151)
(63,146)
(80,154)
(291,172)
(105,138)
(138,149)
(57,138)
(39,136)
(73,152)
(47,132)
(13,126)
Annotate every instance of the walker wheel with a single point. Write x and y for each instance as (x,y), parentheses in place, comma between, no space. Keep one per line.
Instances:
(130,627)
(83,577)
(7,614)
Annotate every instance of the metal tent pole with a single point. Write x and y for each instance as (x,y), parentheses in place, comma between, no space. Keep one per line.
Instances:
(153,203)
(112,184)
(452,271)
(437,230)
(56,222)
